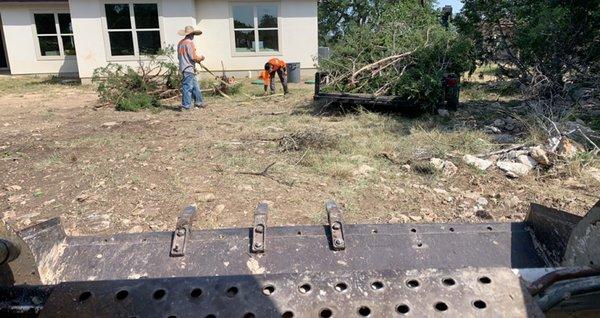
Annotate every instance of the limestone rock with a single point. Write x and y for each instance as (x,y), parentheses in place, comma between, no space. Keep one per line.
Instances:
(540,155)
(527,160)
(513,169)
(478,163)
(445,166)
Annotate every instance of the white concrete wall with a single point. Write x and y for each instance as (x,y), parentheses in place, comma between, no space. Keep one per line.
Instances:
(298,38)
(90,35)
(18,27)
(298,26)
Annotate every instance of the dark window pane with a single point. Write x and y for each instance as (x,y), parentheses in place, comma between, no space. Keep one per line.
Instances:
(268,40)
(267,16)
(243,17)
(146,16)
(148,41)
(49,46)
(64,22)
(121,43)
(244,41)
(44,23)
(68,44)
(117,16)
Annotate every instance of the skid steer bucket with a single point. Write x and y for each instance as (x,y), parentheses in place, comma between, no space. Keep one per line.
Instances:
(311,271)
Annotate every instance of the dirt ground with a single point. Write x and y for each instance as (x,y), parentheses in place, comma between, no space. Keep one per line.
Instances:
(105,171)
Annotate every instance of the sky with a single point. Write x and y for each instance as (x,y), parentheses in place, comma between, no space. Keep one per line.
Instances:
(456,4)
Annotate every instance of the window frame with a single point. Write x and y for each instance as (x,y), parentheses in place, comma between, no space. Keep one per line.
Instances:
(136,52)
(256,29)
(58,35)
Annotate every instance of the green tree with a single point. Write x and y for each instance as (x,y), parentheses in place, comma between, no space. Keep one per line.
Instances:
(336,17)
(548,42)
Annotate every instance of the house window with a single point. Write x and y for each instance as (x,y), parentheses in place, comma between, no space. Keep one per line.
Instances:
(54,34)
(133,28)
(256,28)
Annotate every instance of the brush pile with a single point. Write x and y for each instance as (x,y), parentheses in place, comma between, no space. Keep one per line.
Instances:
(404,52)
(132,89)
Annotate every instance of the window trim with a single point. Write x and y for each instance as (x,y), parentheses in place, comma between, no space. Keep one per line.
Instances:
(232,29)
(136,53)
(58,34)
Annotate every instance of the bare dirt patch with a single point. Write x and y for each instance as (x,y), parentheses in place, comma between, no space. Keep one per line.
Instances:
(105,171)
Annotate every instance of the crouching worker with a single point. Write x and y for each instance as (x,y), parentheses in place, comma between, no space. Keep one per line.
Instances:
(186,53)
(268,75)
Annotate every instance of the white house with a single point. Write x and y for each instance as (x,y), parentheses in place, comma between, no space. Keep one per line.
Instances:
(75,37)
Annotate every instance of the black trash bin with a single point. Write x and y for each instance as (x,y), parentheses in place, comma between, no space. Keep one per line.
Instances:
(293,72)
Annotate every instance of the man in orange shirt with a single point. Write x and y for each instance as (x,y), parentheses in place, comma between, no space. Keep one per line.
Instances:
(273,66)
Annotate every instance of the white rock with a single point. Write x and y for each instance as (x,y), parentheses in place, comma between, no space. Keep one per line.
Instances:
(437,163)
(110,124)
(493,129)
(540,155)
(478,163)
(447,167)
(513,169)
(527,160)
(481,201)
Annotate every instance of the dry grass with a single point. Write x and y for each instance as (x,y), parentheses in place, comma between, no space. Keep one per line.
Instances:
(149,166)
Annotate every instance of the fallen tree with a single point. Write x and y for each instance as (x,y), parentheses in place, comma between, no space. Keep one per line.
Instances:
(406,52)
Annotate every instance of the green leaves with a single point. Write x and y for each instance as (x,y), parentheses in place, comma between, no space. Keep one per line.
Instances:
(406,53)
(543,39)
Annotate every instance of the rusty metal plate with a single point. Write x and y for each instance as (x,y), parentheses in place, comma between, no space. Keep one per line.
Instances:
(484,292)
(299,249)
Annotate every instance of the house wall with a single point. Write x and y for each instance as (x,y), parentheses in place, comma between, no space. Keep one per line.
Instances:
(18,27)
(90,38)
(298,28)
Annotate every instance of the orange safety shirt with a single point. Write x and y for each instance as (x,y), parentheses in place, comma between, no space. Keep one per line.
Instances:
(277,64)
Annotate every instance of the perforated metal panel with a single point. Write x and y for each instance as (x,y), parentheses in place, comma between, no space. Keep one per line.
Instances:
(486,292)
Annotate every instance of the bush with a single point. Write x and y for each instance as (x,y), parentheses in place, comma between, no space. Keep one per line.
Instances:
(406,53)
(130,89)
(545,44)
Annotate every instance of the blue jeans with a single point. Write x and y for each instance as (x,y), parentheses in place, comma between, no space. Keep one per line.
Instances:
(190,90)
